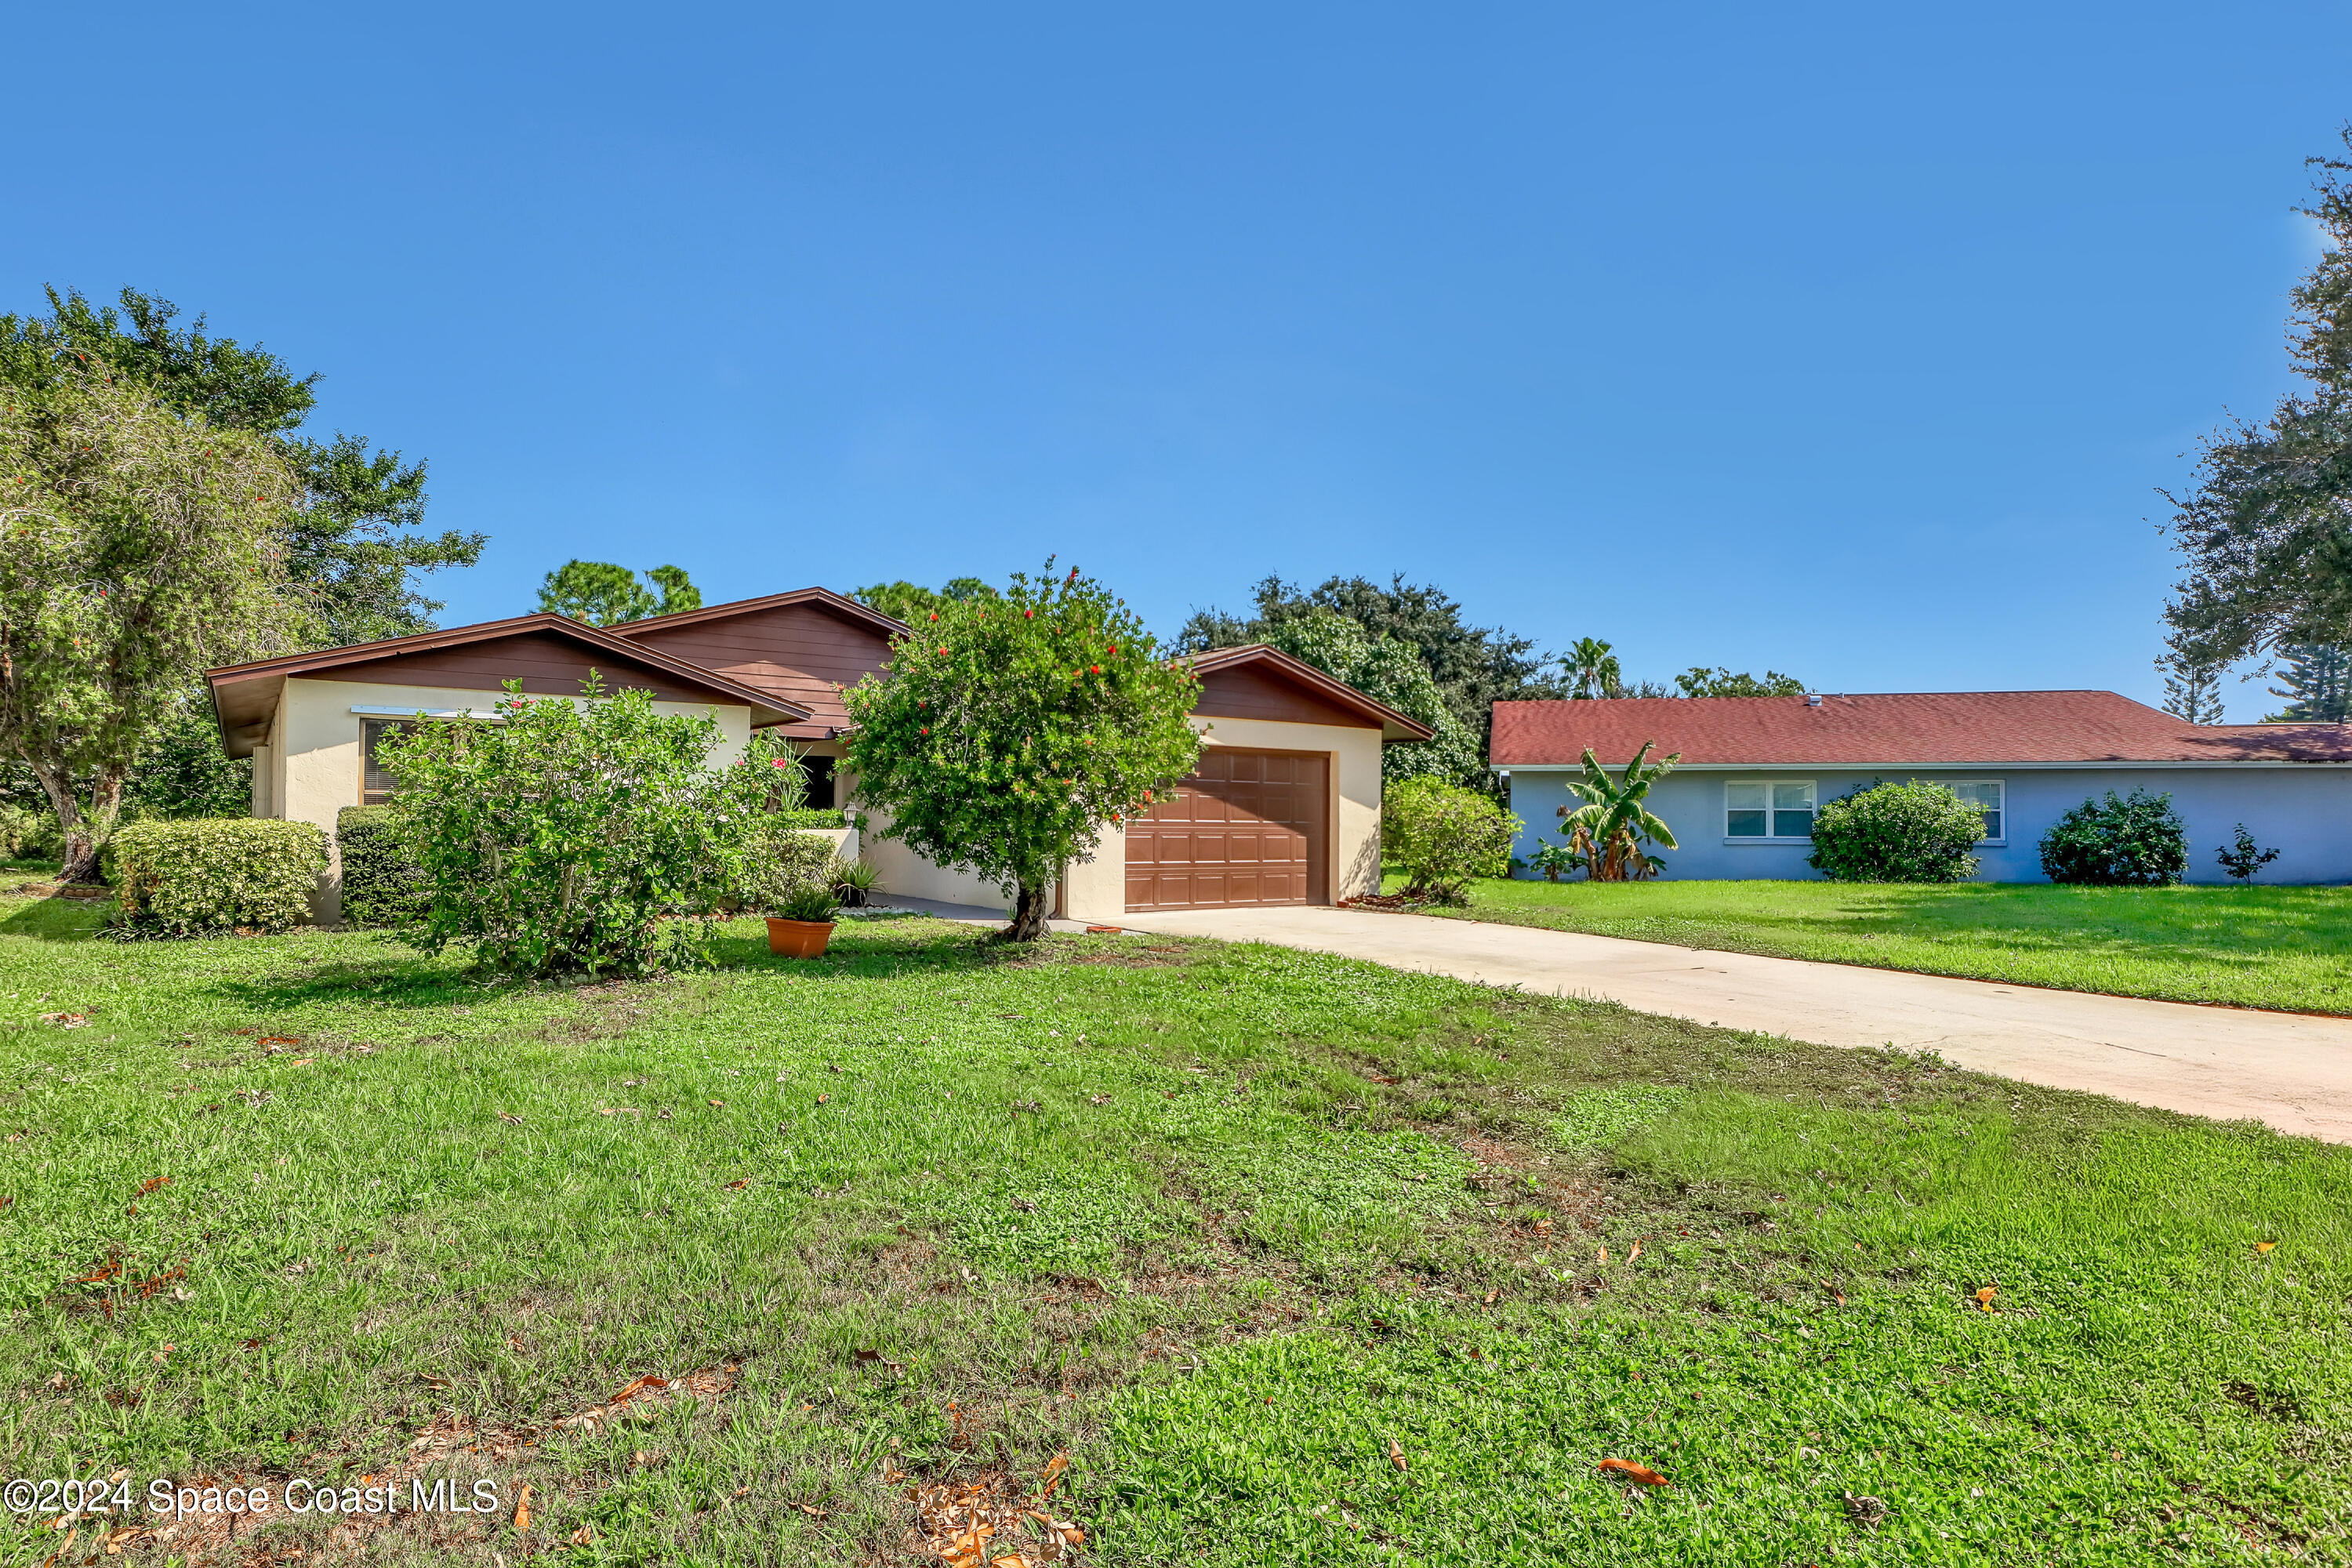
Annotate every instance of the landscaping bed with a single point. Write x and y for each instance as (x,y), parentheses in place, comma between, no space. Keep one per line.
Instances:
(1295,1259)
(2286,948)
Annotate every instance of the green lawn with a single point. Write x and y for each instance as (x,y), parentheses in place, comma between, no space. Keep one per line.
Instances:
(1223,1223)
(2249,947)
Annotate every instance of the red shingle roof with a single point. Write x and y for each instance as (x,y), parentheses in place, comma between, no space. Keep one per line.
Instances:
(1908,728)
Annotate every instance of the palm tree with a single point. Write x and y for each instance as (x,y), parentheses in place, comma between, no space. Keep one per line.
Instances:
(1606,834)
(1591,669)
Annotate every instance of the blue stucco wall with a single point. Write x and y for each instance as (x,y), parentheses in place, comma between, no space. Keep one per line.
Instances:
(2305,811)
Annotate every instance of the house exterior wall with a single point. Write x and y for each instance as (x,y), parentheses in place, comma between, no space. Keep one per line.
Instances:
(1096,886)
(313,759)
(2303,809)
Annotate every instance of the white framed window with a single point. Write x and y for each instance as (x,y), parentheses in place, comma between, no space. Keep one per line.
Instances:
(1988,796)
(1767,808)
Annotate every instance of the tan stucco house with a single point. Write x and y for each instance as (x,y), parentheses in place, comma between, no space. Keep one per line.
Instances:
(1284,808)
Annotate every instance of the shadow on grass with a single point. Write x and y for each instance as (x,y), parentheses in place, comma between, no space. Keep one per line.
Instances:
(408,979)
(56,919)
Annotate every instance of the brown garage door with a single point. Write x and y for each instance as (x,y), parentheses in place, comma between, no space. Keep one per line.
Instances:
(1248,828)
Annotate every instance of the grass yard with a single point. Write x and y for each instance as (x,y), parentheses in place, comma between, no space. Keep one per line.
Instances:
(1298,1260)
(2249,947)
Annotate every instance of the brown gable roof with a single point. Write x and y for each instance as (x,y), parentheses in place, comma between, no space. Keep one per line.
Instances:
(802,648)
(824,599)
(1343,703)
(1914,728)
(246,694)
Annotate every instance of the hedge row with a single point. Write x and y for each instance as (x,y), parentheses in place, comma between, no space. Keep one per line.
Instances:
(206,874)
(381,886)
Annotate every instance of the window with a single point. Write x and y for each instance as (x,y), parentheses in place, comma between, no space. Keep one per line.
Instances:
(375,785)
(820,780)
(1767,808)
(1985,794)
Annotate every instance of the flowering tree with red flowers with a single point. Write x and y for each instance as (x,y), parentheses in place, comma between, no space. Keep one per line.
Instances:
(1004,734)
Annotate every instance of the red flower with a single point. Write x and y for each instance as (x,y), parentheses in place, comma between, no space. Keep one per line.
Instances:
(1147,797)
(927,729)
(1094,668)
(943,649)
(1028,615)
(935,615)
(776,762)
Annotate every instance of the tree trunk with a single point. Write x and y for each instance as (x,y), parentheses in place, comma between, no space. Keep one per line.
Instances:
(81,833)
(1028,913)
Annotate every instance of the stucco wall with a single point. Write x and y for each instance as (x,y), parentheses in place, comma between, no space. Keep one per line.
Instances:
(313,759)
(1096,886)
(2304,810)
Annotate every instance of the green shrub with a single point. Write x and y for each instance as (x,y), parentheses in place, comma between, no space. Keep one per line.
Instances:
(1911,832)
(29,834)
(780,860)
(854,882)
(1444,834)
(381,885)
(2138,841)
(811,816)
(565,835)
(812,902)
(210,874)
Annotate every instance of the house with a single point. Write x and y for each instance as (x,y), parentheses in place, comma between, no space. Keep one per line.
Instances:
(1755,769)
(1284,808)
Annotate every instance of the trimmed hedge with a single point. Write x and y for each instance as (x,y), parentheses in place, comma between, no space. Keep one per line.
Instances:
(781,860)
(212,874)
(2138,841)
(381,885)
(1917,831)
(812,816)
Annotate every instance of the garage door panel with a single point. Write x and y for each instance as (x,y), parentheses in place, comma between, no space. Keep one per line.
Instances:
(1248,828)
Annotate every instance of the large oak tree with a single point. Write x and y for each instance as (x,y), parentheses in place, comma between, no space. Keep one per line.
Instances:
(143,545)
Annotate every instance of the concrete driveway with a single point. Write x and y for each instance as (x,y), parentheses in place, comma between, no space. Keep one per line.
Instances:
(2291,1071)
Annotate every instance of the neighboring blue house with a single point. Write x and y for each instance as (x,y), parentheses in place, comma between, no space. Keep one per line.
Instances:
(1753,770)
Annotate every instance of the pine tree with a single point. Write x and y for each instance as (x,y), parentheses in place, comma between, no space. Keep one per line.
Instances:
(2192,691)
(2318,684)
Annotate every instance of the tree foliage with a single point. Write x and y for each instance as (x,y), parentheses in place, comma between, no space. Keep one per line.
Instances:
(1442,835)
(564,835)
(2192,689)
(2316,680)
(2242,857)
(143,545)
(911,601)
(1916,831)
(1005,735)
(1609,835)
(605,594)
(1700,681)
(1391,673)
(1473,667)
(2266,536)
(351,551)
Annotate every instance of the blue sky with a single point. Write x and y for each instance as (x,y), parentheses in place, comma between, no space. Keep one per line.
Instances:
(1854,342)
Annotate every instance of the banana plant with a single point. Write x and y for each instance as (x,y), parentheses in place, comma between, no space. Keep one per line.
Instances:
(1606,836)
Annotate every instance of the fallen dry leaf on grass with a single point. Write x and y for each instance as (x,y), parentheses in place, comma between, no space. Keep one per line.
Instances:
(2264,1245)
(152,1183)
(507,1116)
(522,1510)
(1396,1455)
(1985,1296)
(1631,1471)
(1053,1469)
(1635,1253)
(813,1512)
(306,1061)
(716,1104)
(584,1536)
(738,1182)
(65,1020)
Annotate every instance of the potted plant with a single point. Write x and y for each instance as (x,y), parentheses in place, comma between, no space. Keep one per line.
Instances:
(803,924)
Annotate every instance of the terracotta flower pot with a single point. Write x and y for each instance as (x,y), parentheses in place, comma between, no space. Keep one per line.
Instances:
(798,939)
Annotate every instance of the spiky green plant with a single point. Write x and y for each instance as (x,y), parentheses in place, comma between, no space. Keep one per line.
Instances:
(1606,834)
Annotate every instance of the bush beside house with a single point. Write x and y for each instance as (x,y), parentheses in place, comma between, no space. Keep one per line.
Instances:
(1444,834)
(381,885)
(212,874)
(2138,841)
(1915,831)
